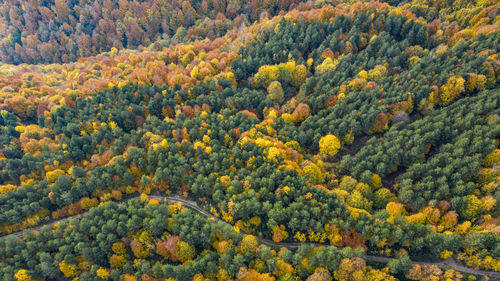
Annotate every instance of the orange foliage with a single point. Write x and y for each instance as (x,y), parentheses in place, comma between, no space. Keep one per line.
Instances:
(301,112)
(140,250)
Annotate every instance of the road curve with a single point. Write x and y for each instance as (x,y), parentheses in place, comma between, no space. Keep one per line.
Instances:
(449,263)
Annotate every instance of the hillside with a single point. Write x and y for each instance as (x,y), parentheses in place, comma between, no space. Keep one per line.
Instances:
(363,133)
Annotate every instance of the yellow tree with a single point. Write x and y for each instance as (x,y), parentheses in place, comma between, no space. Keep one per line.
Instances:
(473,207)
(279,233)
(185,251)
(320,274)
(249,244)
(265,75)
(102,273)
(314,173)
(329,145)
(299,75)
(275,92)
(22,275)
(453,87)
(69,270)
(116,261)
(326,66)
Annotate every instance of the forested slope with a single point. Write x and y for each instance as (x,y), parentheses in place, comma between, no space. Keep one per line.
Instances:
(365,126)
(36,31)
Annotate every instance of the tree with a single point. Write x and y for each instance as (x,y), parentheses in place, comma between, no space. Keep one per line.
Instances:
(116,261)
(380,124)
(185,251)
(279,233)
(265,75)
(329,145)
(299,75)
(314,173)
(139,249)
(301,112)
(275,92)
(453,87)
(320,274)
(326,66)
(22,275)
(473,207)
(69,270)
(249,244)
(400,265)
(102,273)
(350,269)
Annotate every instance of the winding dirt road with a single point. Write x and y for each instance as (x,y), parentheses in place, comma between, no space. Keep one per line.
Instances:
(449,263)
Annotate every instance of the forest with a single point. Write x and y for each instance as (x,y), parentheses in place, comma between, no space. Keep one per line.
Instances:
(261,140)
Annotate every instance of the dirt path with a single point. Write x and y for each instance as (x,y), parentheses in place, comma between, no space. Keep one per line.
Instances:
(449,263)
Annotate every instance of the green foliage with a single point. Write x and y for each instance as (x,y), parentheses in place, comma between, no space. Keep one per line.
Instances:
(356,126)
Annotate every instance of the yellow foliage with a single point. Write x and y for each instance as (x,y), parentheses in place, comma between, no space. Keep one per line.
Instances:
(342,195)
(225,181)
(308,196)
(355,212)
(6,188)
(378,275)
(263,142)
(118,248)
(488,203)
(279,233)
(208,150)
(287,117)
(377,72)
(286,189)
(273,114)
(206,139)
(376,181)
(463,228)
(357,200)
(102,273)
(473,208)
(22,275)
(273,153)
(395,209)
(329,145)
(249,244)
(299,75)
(154,202)
(294,145)
(286,71)
(129,277)
(275,92)
(52,176)
(186,252)
(227,216)
(19,128)
(326,66)
(446,254)
(363,74)
(314,173)
(300,236)
(68,270)
(265,75)
(195,72)
(416,218)
(492,159)
(453,87)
